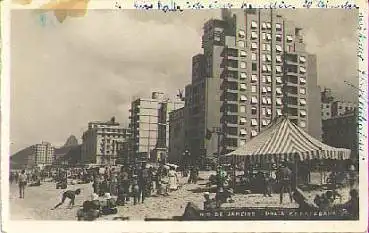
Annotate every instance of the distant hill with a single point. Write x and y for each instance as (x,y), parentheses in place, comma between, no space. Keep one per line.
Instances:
(71,141)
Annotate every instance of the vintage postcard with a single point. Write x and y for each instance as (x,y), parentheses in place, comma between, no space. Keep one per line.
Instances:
(165,117)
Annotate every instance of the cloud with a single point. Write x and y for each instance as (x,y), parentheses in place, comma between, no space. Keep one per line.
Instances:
(90,68)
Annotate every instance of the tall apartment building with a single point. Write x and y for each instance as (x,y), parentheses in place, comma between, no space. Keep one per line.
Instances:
(36,155)
(150,126)
(177,135)
(100,142)
(254,67)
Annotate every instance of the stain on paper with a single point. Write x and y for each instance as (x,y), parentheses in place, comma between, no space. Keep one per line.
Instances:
(22,2)
(63,9)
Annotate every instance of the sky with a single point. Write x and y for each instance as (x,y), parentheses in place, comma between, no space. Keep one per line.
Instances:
(91,68)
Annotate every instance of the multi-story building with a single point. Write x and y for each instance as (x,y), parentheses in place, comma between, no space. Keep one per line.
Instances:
(177,140)
(332,108)
(150,126)
(100,142)
(254,68)
(342,131)
(36,155)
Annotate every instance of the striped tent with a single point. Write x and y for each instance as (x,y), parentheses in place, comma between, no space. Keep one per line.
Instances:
(283,140)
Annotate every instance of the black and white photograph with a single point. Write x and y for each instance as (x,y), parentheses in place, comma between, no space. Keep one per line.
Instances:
(200,115)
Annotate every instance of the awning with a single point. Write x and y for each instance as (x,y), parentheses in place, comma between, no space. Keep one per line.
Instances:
(283,140)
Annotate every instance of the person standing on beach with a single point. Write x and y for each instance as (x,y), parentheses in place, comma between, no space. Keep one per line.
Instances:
(22,182)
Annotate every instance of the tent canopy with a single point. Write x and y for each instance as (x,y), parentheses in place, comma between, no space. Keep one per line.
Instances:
(283,140)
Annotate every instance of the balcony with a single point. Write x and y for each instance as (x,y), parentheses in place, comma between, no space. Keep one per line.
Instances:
(230,79)
(231,124)
(233,113)
(228,135)
(230,102)
(234,91)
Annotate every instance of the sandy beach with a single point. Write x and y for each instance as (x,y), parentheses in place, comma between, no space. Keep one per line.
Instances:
(39,201)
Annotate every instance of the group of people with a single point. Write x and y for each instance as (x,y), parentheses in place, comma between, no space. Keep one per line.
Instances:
(137,182)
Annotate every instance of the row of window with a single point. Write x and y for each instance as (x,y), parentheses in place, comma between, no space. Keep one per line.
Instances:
(268,57)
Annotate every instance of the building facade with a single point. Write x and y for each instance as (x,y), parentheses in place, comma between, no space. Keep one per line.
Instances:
(36,155)
(150,126)
(177,139)
(254,67)
(332,108)
(100,142)
(342,131)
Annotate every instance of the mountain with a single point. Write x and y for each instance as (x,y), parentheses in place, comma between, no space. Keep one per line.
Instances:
(71,141)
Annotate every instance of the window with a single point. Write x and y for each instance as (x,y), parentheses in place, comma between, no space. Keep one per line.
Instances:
(243,53)
(269,58)
(263,79)
(264,90)
(243,132)
(302,70)
(243,65)
(264,35)
(263,111)
(264,26)
(269,89)
(254,67)
(302,90)
(253,89)
(278,58)
(254,133)
(278,26)
(278,37)
(243,86)
(254,110)
(268,37)
(302,113)
(302,124)
(269,101)
(278,69)
(264,100)
(269,68)
(266,47)
(264,123)
(241,33)
(242,142)
(302,102)
(254,78)
(254,24)
(242,108)
(269,79)
(243,98)
(254,35)
(264,68)
(263,57)
(289,39)
(254,100)
(269,112)
(302,80)
(278,90)
(279,101)
(269,26)
(253,56)
(278,48)
(278,80)
(254,45)
(216,38)
(243,75)
(254,122)
(242,120)
(241,43)
(279,112)
(302,59)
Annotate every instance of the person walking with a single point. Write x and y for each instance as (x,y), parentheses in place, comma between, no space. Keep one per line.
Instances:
(22,182)
(284,177)
(267,185)
(143,182)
